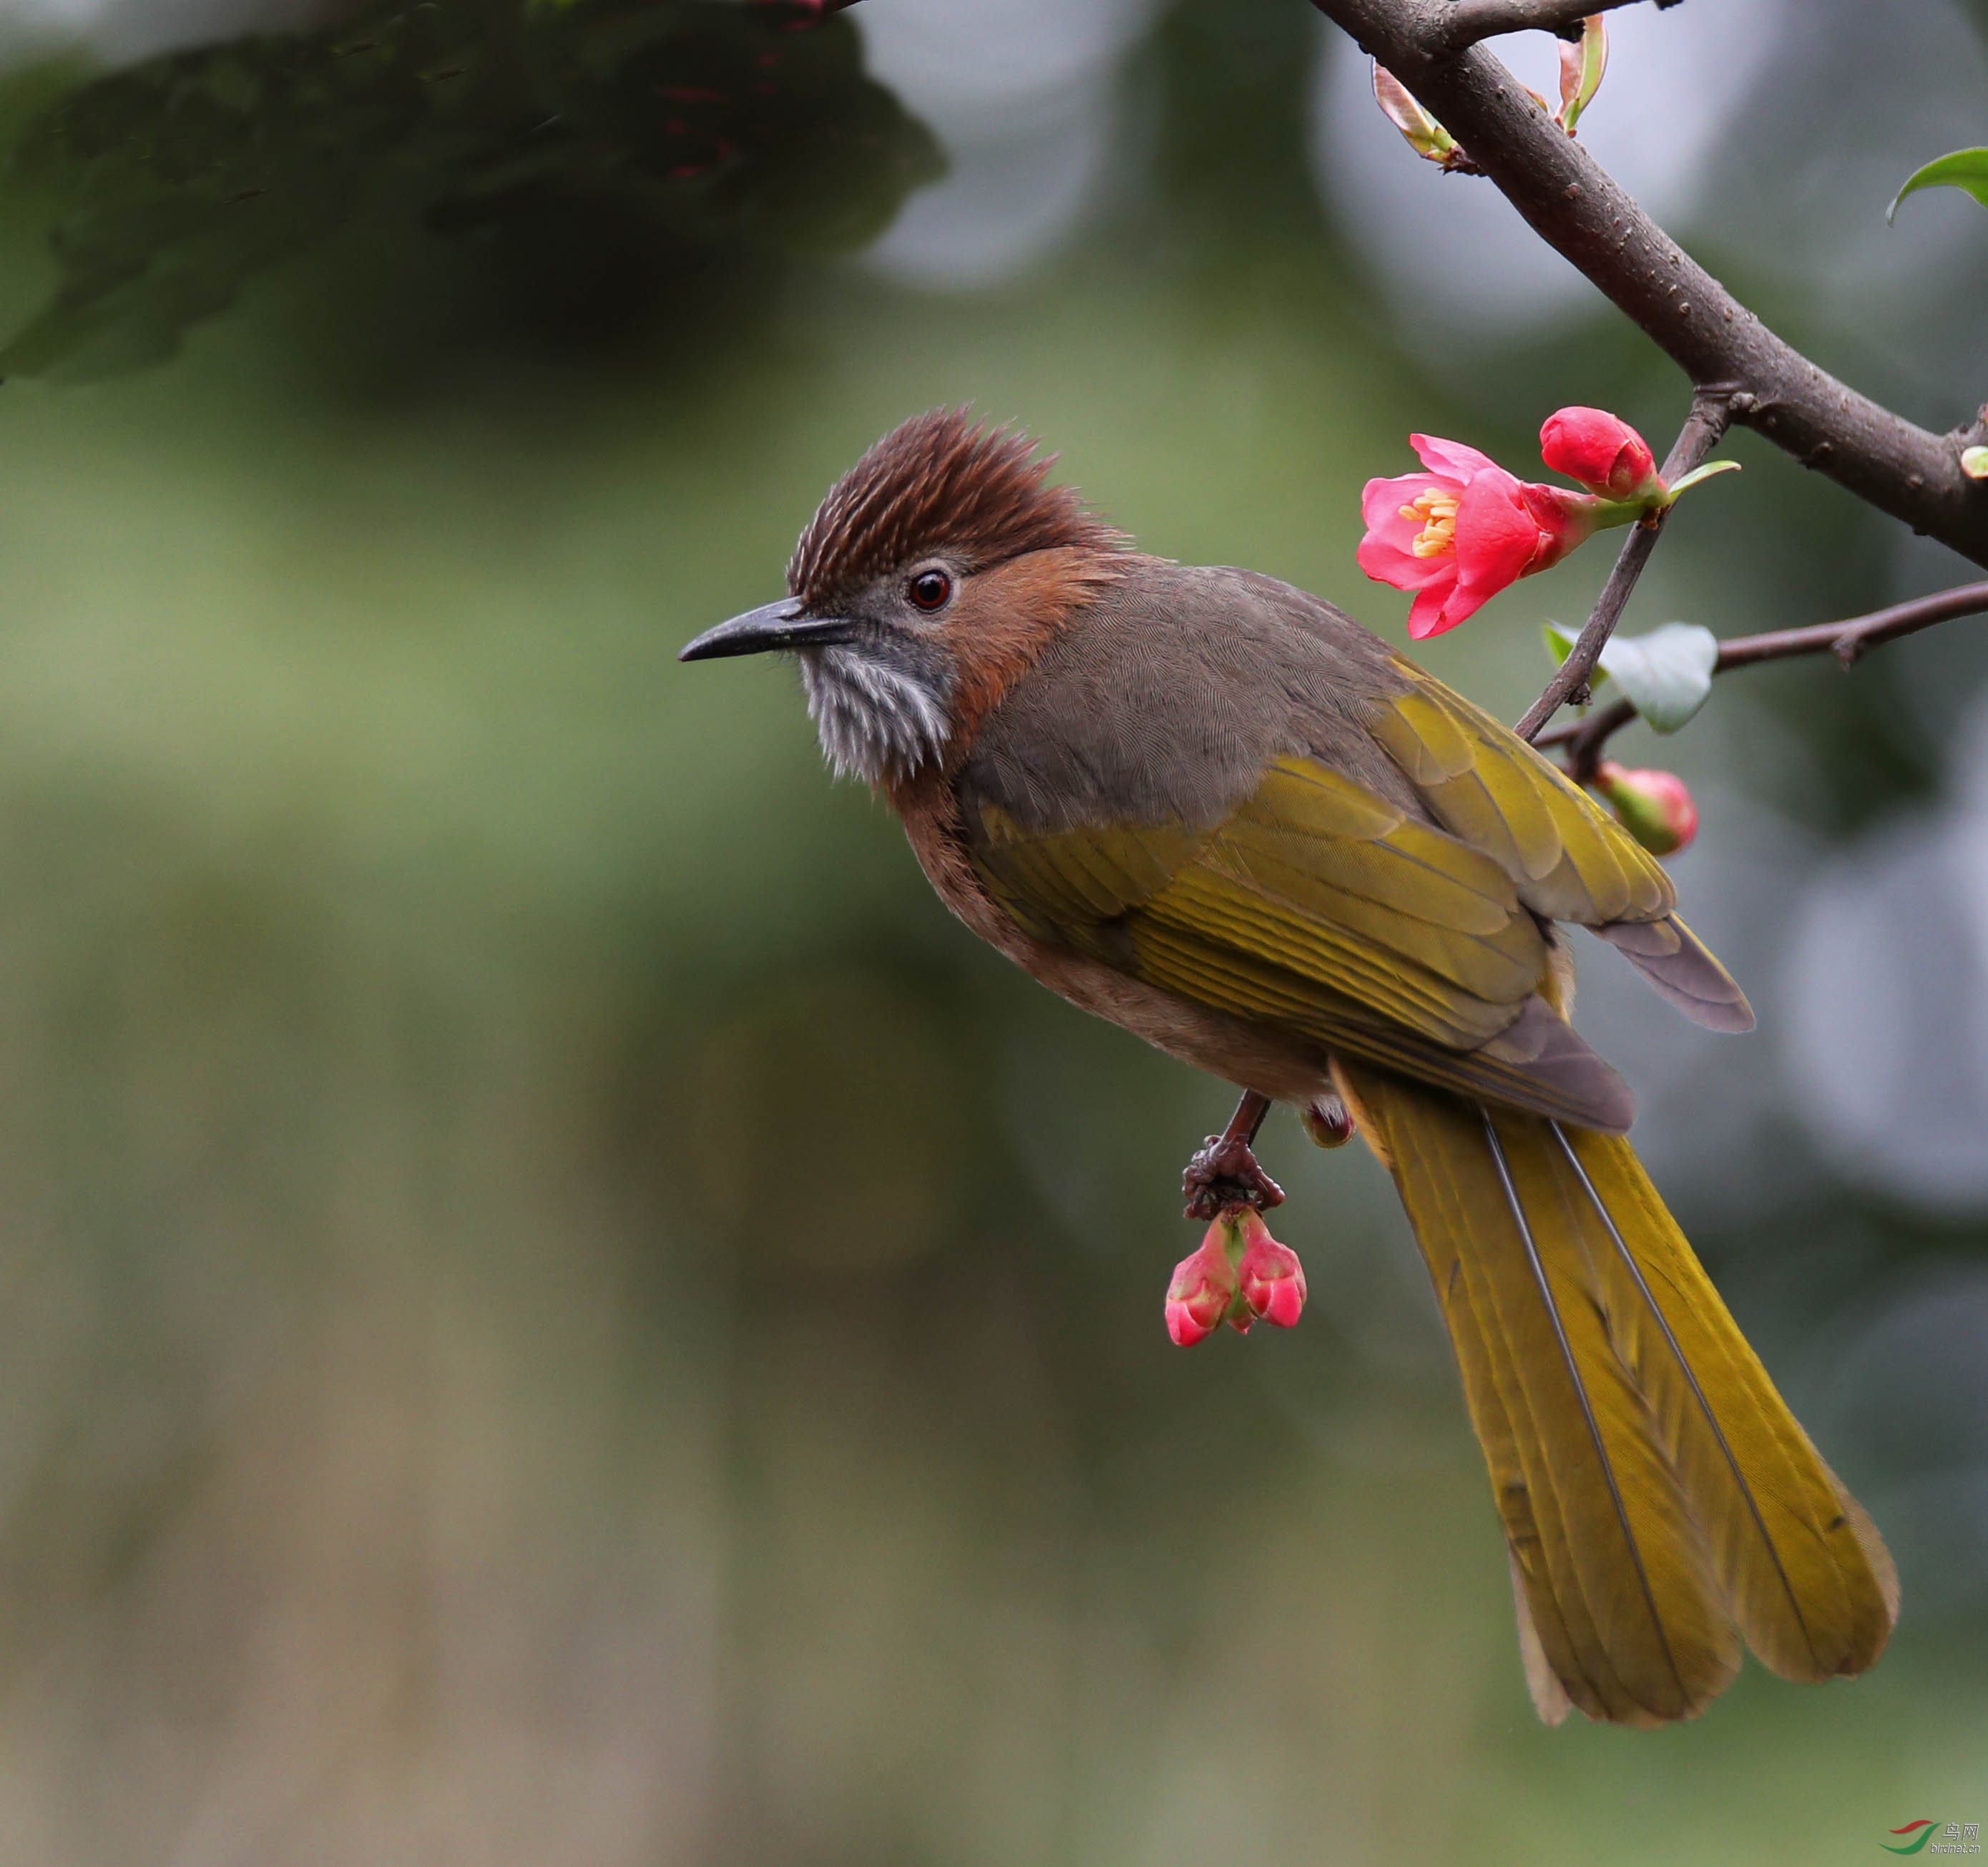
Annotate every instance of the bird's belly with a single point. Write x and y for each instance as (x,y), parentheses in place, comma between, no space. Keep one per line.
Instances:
(1275,1064)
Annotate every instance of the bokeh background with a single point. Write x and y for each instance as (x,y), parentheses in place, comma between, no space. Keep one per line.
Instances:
(554,1309)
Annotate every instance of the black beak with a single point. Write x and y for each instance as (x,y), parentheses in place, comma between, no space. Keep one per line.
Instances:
(772,625)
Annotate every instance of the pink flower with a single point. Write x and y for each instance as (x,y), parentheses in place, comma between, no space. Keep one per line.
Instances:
(1239,1275)
(1602,452)
(1654,806)
(1203,1288)
(1272,1279)
(1459,533)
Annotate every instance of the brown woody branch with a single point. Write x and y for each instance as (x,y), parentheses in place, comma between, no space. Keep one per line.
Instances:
(1848,641)
(1575,206)
(1464,22)
(1697,437)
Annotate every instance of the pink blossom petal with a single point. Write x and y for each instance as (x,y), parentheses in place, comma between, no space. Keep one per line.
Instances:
(1386,563)
(1381,500)
(1434,612)
(1497,537)
(1452,457)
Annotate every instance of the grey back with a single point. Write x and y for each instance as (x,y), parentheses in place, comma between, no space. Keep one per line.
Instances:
(1165,701)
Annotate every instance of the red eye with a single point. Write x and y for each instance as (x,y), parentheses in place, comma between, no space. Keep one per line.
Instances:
(930,589)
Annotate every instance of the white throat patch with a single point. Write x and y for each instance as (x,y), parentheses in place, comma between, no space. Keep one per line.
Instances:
(876,720)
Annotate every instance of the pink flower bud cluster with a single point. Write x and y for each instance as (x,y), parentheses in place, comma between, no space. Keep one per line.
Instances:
(1240,1276)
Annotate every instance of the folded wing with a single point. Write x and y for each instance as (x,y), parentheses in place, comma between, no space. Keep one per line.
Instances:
(1567,858)
(1323,909)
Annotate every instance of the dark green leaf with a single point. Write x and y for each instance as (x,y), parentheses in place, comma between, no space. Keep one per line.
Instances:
(188,175)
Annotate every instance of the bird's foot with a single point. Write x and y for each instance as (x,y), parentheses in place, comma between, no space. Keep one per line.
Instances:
(1225,1172)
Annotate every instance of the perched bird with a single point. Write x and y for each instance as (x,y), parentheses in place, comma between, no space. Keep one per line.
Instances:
(1211,808)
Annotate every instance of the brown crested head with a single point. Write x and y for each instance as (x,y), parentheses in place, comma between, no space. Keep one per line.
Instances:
(938,485)
(938,569)
(934,573)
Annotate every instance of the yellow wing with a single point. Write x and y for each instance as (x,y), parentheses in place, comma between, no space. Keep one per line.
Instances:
(1569,860)
(1321,909)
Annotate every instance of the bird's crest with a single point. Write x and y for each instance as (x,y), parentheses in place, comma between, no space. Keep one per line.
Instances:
(938,481)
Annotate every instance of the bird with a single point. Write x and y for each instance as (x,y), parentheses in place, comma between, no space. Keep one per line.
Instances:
(1215,811)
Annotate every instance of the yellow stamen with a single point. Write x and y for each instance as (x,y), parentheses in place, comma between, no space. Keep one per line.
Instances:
(1437,510)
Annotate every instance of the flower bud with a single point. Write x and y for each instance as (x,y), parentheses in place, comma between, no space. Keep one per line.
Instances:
(1654,806)
(1269,1276)
(1582,62)
(1240,1275)
(1602,452)
(1204,1287)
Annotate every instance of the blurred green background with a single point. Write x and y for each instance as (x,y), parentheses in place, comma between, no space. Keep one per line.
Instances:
(554,1308)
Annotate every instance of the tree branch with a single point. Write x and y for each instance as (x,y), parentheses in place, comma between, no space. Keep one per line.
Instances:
(1697,437)
(1574,206)
(1464,22)
(1848,641)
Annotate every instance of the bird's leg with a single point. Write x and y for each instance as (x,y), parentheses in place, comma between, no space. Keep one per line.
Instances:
(1225,1173)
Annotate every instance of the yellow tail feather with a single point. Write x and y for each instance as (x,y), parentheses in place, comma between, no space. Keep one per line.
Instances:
(1659,1500)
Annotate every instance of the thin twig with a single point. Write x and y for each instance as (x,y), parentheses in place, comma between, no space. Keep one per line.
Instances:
(1247,1121)
(1849,640)
(1585,738)
(1579,211)
(1465,22)
(1697,437)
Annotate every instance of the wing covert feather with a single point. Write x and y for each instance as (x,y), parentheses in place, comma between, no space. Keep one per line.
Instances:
(1569,858)
(1313,874)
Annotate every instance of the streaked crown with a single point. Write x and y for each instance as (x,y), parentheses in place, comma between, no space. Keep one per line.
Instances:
(939,482)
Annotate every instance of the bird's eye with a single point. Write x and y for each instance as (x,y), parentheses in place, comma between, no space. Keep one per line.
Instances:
(930,589)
